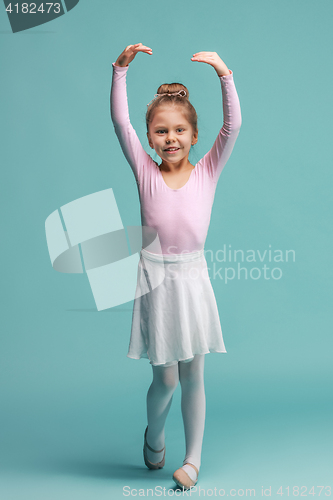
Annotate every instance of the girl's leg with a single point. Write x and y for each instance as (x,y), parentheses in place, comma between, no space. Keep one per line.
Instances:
(193,405)
(159,398)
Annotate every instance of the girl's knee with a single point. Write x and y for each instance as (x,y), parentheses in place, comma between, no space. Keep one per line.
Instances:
(167,378)
(170,382)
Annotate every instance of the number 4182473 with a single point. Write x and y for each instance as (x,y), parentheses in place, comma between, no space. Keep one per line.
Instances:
(32,8)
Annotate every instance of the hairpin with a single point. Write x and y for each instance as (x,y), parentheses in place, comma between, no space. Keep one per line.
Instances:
(181,93)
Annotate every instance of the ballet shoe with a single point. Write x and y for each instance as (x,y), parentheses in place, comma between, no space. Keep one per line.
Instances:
(183,479)
(148,463)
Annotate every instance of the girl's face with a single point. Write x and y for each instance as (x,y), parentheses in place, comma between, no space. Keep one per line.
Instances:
(170,134)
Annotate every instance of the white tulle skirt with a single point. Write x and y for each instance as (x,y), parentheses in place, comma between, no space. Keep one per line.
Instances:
(175,314)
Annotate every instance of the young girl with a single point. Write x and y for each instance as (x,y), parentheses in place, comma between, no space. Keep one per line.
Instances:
(177,322)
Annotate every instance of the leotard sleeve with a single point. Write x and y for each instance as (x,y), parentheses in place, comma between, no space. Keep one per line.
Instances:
(217,157)
(128,139)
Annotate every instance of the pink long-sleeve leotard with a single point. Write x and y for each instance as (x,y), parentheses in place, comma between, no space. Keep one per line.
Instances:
(180,216)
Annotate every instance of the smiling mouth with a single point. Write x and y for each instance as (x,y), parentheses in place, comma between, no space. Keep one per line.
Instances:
(171,149)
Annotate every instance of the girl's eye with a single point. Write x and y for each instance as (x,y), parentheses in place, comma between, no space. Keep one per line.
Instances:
(161,131)
(180,130)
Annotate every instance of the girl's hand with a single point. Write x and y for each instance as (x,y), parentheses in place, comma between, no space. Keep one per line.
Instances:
(214,60)
(130,52)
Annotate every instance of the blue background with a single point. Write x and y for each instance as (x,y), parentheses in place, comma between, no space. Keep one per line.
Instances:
(73,405)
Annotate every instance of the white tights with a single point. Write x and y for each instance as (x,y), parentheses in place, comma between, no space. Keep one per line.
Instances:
(193,406)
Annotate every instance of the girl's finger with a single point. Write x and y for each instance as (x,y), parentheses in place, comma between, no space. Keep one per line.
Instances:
(204,55)
(136,46)
(143,48)
(202,59)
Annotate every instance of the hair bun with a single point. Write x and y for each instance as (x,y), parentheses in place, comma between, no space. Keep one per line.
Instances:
(171,88)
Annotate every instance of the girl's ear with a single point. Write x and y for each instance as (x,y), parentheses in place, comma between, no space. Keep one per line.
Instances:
(194,138)
(149,141)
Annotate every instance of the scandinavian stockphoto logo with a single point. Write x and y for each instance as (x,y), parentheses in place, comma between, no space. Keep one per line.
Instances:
(250,264)
(238,264)
(87,236)
(25,15)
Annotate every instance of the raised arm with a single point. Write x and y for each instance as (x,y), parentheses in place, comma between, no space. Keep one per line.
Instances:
(128,139)
(217,157)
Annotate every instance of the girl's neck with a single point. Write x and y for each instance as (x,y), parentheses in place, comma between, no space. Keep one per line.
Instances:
(180,166)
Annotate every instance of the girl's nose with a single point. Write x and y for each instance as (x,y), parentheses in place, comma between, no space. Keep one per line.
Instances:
(170,137)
